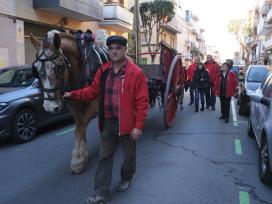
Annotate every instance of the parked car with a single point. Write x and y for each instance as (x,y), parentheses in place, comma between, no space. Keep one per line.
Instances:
(259,125)
(254,77)
(21,111)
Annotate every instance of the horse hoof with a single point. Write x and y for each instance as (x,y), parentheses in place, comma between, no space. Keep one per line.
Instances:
(77,170)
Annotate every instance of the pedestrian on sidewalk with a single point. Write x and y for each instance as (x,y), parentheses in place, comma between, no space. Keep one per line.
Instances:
(190,72)
(123,105)
(200,83)
(213,69)
(225,87)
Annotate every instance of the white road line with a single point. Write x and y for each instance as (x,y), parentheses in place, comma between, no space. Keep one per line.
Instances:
(234,115)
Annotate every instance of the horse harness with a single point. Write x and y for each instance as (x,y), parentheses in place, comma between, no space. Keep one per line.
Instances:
(59,70)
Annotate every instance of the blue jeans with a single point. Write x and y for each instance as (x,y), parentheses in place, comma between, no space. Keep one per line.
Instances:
(210,97)
(199,92)
(192,90)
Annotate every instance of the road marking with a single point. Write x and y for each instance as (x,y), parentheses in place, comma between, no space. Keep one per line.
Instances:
(243,197)
(66,131)
(234,115)
(238,147)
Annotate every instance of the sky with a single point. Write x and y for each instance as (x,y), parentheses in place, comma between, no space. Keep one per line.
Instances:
(214,16)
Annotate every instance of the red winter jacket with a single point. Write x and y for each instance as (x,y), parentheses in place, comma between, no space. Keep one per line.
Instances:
(213,69)
(231,85)
(190,72)
(133,97)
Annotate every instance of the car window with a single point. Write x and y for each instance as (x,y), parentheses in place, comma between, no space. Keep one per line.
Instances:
(257,74)
(265,82)
(16,78)
(267,89)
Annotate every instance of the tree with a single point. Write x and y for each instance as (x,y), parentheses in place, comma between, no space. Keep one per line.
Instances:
(242,30)
(155,15)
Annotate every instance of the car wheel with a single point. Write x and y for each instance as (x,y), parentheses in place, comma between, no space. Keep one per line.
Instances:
(264,166)
(24,126)
(250,131)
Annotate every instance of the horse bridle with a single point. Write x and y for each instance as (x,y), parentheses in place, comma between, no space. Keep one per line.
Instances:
(59,70)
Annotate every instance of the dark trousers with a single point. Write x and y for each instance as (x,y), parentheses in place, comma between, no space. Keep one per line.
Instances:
(225,106)
(192,92)
(199,92)
(109,141)
(210,97)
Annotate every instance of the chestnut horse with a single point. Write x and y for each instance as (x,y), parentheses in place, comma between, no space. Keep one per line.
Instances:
(58,66)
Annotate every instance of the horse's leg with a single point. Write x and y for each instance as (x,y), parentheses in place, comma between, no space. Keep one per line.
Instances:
(80,152)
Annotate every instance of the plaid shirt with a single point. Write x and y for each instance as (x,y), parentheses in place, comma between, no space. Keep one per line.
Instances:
(111,99)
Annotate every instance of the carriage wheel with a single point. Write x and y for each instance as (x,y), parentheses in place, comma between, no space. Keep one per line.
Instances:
(172,96)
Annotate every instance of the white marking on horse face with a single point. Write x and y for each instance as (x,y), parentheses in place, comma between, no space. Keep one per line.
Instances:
(52,106)
(51,35)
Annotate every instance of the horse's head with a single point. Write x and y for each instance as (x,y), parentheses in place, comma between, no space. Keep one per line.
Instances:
(49,67)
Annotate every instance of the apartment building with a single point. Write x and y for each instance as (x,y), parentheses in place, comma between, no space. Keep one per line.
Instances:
(21,18)
(194,42)
(264,33)
(182,33)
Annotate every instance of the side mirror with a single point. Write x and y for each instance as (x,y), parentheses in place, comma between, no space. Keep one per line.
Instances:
(36,83)
(265,101)
(258,97)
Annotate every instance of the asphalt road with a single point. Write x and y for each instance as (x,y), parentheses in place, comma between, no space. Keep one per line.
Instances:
(200,160)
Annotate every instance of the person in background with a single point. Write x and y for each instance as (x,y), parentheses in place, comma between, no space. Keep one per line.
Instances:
(225,87)
(213,70)
(200,83)
(123,105)
(190,72)
(183,88)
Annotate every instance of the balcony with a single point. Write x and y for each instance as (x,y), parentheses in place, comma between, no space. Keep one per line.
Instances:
(174,26)
(266,6)
(263,28)
(269,17)
(189,22)
(82,10)
(117,16)
(268,45)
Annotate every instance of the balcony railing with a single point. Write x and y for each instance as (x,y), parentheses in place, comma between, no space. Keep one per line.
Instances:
(263,28)
(266,6)
(174,25)
(117,15)
(269,17)
(267,45)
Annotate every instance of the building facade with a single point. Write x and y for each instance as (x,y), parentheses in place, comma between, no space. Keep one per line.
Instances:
(21,18)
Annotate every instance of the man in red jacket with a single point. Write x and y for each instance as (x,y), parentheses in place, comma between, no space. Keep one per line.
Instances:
(225,87)
(123,105)
(213,69)
(190,73)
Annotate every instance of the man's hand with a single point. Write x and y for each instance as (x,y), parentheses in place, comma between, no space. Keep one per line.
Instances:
(67,95)
(135,134)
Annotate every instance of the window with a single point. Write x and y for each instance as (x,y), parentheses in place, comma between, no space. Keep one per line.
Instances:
(16,78)
(257,74)
(143,60)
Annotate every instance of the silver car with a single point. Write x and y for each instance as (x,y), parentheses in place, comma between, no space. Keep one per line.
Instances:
(260,126)
(21,111)
(254,77)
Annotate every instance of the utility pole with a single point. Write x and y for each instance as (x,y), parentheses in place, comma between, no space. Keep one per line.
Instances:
(137,32)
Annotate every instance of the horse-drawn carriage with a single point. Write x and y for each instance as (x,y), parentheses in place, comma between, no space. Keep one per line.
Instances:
(165,82)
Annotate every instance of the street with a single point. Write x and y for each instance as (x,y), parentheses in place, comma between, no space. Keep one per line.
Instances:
(199,160)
